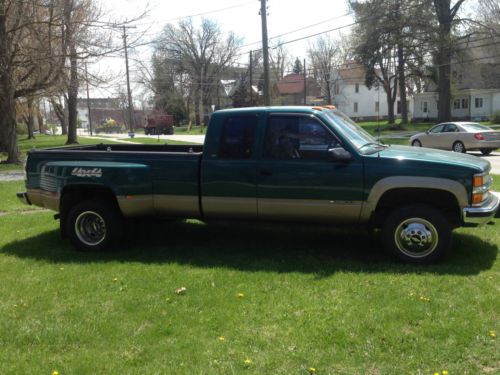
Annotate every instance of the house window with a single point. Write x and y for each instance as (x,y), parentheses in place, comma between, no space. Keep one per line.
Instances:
(479,102)
(465,103)
(425,108)
(456,104)
(377,107)
(355,107)
(356,87)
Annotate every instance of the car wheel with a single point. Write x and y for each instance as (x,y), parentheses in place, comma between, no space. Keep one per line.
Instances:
(486,151)
(94,225)
(458,147)
(417,234)
(416,143)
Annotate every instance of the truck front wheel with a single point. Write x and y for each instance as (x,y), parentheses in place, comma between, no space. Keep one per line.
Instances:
(417,234)
(94,225)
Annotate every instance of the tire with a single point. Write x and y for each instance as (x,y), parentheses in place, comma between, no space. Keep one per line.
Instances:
(94,225)
(416,143)
(486,151)
(458,147)
(417,234)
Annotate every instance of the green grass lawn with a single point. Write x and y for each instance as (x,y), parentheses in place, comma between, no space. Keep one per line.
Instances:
(285,298)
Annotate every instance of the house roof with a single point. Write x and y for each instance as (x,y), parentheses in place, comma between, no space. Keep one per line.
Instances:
(291,84)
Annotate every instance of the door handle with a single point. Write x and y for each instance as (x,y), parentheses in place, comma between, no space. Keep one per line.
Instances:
(266,172)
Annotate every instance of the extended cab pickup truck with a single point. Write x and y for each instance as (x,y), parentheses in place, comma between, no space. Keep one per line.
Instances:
(300,164)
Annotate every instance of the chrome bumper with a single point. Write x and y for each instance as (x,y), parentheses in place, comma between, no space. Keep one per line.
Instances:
(23,197)
(475,216)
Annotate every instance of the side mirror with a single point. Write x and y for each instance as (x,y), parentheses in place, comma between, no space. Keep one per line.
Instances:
(339,154)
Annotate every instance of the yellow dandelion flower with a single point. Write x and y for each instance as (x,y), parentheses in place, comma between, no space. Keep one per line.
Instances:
(55,372)
(425,299)
(444,372)
(493,334)
(221,338)
(436,373)
(247,361)
(241,295)
(312,370)
(115,279)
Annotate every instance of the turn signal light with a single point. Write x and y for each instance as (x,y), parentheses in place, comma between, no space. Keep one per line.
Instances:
(329,106)
(479,136)
(477,198)
(317,108)
(478,181)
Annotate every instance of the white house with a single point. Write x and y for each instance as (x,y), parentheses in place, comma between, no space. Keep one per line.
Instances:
(355,99)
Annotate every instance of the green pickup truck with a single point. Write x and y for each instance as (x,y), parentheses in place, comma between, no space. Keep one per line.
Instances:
(282,164)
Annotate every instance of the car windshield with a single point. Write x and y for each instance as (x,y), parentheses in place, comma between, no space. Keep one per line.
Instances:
(360,138)
(472,127)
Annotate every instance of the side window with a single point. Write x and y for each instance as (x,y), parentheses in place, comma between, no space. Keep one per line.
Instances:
(297,137)
(437,129)
(238,137)
(450,128)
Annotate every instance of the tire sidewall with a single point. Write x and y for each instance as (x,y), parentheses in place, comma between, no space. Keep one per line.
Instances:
(463,147)
(416,143)
(110,216)
(428,213)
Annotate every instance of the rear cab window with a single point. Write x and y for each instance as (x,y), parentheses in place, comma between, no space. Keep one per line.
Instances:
(238,137)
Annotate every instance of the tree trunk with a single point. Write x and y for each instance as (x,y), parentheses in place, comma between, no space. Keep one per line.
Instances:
(402,84)
(390,102)
(30,120)
(197,99)
(8,136)
(72,96)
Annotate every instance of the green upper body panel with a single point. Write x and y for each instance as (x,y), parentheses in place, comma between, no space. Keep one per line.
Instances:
(142,170)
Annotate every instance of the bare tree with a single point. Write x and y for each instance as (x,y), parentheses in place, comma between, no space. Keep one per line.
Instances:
(323,55)
(202,53)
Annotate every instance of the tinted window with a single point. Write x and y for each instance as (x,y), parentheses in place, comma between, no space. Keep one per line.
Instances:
(472,127)
(297,137)
(450,128)
(238,137)
(437,129)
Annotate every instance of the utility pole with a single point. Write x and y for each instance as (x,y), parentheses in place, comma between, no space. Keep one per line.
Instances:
(305,84)
(131,118)
(251,90)
(88,99)
(265,52)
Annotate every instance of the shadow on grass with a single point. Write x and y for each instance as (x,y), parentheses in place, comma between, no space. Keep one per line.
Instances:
(276,248)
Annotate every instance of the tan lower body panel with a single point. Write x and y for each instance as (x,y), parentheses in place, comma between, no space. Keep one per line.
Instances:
(309,210)
(135,205)
(42,198)
(177,205)
(229,207)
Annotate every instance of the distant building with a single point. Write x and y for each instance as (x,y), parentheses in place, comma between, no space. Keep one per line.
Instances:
(103,109)
(475,88)
(290,90)
(355,99)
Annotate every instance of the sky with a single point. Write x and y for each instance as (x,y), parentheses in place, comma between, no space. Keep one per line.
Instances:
(239,16)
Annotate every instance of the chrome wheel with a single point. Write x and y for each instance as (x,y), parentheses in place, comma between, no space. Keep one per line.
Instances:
(458,147)
(90,228)
(416,237)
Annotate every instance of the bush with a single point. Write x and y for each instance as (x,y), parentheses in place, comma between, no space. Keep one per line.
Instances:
(495,117)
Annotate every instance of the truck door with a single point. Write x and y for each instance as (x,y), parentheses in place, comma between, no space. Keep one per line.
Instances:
(228,170)
(297,178)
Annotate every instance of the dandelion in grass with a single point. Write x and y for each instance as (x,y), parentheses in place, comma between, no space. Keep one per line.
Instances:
(241,295)
(493,334)
(312,370)
(444,372)
(424,299)
(115,279)
(55,372)
(222,338)
(247,362)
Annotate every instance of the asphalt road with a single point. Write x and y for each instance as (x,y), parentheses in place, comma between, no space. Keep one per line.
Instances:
(493,158)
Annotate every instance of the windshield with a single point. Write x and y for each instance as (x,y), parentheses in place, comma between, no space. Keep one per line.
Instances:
(472,127)
(360,138)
